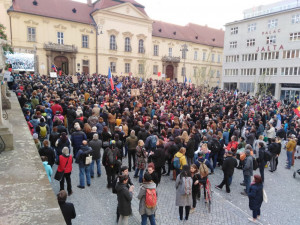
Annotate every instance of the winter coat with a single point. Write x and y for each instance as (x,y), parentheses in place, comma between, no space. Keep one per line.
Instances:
(92,121)
(182,200)
(68,211)
(271,133)
(63,159)
(250,137)
(76,138)
(61,144)
(48,170)
(228,165)
(291,145)
(49,152)
(81,155)
(182,159)
(190,148)
(142,197)
(248,167)
(158,158)
(132,142)
(261,156)
(255,196)
(273,148)
(141,158)
(96,145)
(143,134)
(124,199)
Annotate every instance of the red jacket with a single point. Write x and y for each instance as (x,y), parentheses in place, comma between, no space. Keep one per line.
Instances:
(232,144)
(55,108)
(62,164)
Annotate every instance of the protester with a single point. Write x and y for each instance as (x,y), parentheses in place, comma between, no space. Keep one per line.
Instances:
(255,196)
(96,145)
(65,165)
(67,208)
(140,161)
(247,172)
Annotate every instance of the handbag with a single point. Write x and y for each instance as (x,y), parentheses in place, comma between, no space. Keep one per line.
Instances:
(88,160)
(265,197)
(59,175)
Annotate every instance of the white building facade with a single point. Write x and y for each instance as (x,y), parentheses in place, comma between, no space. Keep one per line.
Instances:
(262,51)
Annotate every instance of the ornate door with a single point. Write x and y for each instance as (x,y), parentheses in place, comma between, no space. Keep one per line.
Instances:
(62,63)
(170,72)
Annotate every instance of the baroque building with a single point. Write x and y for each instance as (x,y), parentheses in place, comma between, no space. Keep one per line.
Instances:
(90,37)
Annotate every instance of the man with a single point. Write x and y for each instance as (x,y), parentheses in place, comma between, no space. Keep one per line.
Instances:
(96,144)
(76,138)
(131,143)
(273,149)
(290,147)
(42,130)
(83,152)
(261,160)
(150,143)
(67,208)
(247,172)
(71,116)
(93,120)
(56,107)
(228,169)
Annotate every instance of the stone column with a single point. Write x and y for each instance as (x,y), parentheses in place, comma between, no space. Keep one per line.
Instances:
(48,62)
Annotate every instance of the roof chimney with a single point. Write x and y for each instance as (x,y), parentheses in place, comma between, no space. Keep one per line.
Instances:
(89,2)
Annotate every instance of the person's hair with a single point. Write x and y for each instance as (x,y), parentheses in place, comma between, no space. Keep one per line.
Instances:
(261,137)
(147,177)
(123,168)
(95,136)
(62,196)
(185,172)
(160,142)
(261,144)
(140,143)
(46,143)
(182,150)
(44,158)
(105,129)
(151,165)
(257,179)
(272,140)
(65,151)
(177,140)
(122,178)
(194,166)
(101,120)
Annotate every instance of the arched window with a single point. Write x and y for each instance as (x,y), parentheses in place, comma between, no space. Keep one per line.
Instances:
(112,44)
(141,46)
(127,45)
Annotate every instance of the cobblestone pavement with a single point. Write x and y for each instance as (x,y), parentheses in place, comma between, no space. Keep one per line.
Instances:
(97,205)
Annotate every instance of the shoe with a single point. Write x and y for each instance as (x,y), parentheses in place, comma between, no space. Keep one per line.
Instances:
(70,193)
(135,176)
(92,176)
(228,191)
(82,187)
(89,185)
(217,187)
(168,174)
(258,217)
(251,220)
(99,175)
(243,184)
(244,193)
(192,210)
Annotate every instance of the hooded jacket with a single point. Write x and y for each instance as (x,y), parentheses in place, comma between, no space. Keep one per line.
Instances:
(132,142)
(124,199)
(182,159)
(142,197)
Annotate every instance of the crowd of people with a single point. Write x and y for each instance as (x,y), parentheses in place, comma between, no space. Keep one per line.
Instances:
(169,129)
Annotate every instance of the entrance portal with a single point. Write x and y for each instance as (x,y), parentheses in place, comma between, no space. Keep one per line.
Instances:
(62,63)
(170,72)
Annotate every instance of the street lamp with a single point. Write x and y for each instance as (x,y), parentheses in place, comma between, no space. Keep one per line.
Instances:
(98,29)
(184,49)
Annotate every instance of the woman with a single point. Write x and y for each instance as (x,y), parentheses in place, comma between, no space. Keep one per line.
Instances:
(183,186)
(62,142)
(152,172)
(48,151)
(65,164)
(141,160)
(158,157)
(182,159)
(145,211)
(195,189)
(185,138)
(255,197)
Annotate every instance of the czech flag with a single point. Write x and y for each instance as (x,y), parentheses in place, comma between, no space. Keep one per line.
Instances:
(159,74)
(119,86)
(297,111)
(54,68)
(110,79)
(235,93)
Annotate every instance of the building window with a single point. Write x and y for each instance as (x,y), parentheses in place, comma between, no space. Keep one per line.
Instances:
(231,72)
(155,50)
(213,57)
(85,41)
(219,58)
(250,42)
(249,57)
(60,38)
(234,30)
(251,27)
(291,54)
(203,56)
(232,58)
(183,54)
(112,43)
(31,34)
(183,71)
(141,68)
(195,55)
(295,36)
(233,44)
(268,71)
(248,72)
(85,62)
(212,72)
(271,39)
(141,46)
(113,67)
(218,74)
(170,52)
(272,23)
(127,67)
(269,55)
(127,45)
(247,87)
(295,18)
(155,69)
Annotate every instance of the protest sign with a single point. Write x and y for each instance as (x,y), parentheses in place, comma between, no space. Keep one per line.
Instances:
(75,79)
(53,74)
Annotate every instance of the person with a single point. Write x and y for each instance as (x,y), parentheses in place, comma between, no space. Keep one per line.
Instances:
(77,138)
(47,167)
(84,151)
(124,199)
(152,172)
(48,151)
(65,164)
(96,145)
(131,143)
(290,147)
(141,160)
(273,149)
(144,210)
(158,158)
(67,208)
(182,159)
(228,169)
(195,189)
(42,130)
(247,172)
(36,140)
(183,186)
(255,196)
(261,160)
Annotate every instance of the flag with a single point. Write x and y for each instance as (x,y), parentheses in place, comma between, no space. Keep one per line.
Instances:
(9,69)
(235,93)
(185,80)
(110,79)
(119,86)
(159,74)
(54,68)
(60,73)
(297,111)
(141,80)
(278,104)
(190,80)
(278,125)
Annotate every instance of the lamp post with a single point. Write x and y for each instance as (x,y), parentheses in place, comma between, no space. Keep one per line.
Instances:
(98,29)
(184,49)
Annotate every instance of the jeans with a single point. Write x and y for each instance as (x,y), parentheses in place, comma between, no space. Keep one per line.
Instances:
(131,154)
(110,173)
(84,170)
(66,176)
(187,212)
(273,162)
(123,220)
(289,158)
(98,167)
(230,180)
(247,180)
(151,219)
(140,175)
(214,157)
(256,213)
(207,162)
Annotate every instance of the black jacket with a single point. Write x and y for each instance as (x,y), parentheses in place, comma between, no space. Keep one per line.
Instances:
(96,146)
(49,152)
(228,165)
(158,158)
(190,148)
(124,199)
(273,148)
(68,211)
(255,196)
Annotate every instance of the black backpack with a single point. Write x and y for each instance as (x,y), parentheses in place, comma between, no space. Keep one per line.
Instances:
(255,164)
(267,156)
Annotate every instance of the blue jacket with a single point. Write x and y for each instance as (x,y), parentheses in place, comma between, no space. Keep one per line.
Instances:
(48,170)
(255,196)
(84,151)
(76,138)
(226,137)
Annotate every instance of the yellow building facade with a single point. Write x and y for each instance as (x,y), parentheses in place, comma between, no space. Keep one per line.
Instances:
(91,37)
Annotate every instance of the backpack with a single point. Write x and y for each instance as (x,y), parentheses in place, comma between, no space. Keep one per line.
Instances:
(186,187)
(176,162)
(111,157)
(255,163)
(267,156)
(153,141)
(203,169)
(215,145)
(151,198)
(43,131)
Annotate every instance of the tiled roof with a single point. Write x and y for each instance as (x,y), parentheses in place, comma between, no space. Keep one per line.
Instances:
(102,4)
(190,33)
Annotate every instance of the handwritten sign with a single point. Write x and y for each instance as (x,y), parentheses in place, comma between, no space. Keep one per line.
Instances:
(75,79)
(53,74)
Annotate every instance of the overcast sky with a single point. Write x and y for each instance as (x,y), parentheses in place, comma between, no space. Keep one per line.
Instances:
(203,12)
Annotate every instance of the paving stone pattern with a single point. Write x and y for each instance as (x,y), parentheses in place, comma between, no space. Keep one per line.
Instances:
(97,205)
